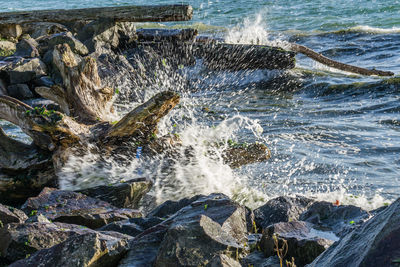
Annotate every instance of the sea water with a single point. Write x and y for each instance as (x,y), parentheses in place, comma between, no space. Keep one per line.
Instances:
(333,135)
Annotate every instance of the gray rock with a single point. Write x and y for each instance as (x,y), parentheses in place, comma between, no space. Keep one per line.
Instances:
(27,47)
(48,42)
(374,243)
(11,215)
(91,249)
(76,208)
(19,240)
(222,260)
(3,87)
(39,29)
(44,81)
(209,226)
(20,91)
(132,227)
(281,209)
(10,31)
(170,207)
(19,70)
(337,218)
(304,242)
(122,195)
(257,259)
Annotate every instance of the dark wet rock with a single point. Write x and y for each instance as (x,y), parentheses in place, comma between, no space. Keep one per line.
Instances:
(11,215)
(374,243)
(20,91)
(222,260)
(10,31)
(44,81)
(49,42)
(39,29)
(166,35)
(170,207)
(122,195)
(17,70)
(144,248)
(208,227)
(336,218)
(304,242)
(76,208)
(27,47)
(91,249)
(281,209)
(19,240)
(133,226)
(7,46)
(103,35)
(257,259)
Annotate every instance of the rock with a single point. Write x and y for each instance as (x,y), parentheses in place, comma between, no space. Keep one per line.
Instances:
(10,31)
(91,249)
(39,29)
(39,218)
(132,227)
(7,46)
(122,195)
(19,240)
(144,248)
(257,259)
(281,209)
(11,215)
(208,227)
(170,207)
(103,35)
(374,243)
(27,47)
(334,218)
(304,243)
(76,208)
(3,87)
(20,91)
(43,102)
(48,42)
(19,70)
(222,260)
(44,81)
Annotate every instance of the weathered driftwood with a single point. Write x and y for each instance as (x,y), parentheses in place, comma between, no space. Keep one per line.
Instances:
(122,13)
(335,64)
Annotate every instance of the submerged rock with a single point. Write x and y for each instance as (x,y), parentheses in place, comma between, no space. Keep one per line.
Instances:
(11,215)
(170,207)
(76,208)
(303,242)
(281,209)
(91,249)
(122,195)
(374,243)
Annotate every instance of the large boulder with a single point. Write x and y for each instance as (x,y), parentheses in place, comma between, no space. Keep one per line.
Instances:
(27,47)
(133,226)
(281,209)
(91,249)
(194,236)
(19,240)
(122,195)
(76,208)
(11,215)
(303,242)
(17,70)
(39,29)
(10,31)
(20,91)
(374,243)
(47,43)
(337,218)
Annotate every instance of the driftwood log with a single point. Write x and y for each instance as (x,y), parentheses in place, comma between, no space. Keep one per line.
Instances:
(123,13)
(85,121)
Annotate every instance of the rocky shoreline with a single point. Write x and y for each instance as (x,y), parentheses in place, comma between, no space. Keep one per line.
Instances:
(65,228)
(42,64)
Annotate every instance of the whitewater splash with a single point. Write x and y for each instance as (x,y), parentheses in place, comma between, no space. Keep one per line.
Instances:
(205,116)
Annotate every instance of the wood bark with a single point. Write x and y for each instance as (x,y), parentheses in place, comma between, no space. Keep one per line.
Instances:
(335,64)
(124,14)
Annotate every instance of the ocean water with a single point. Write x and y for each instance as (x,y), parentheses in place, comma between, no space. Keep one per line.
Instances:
(332,135)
